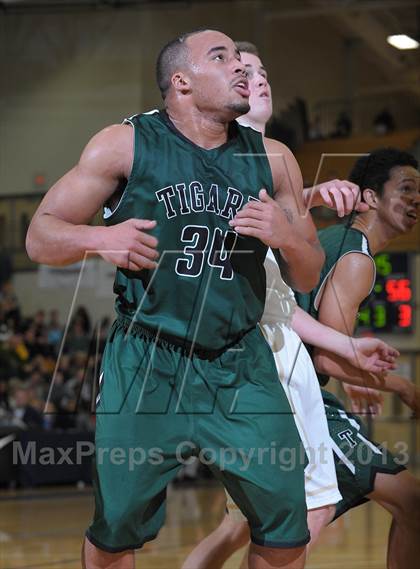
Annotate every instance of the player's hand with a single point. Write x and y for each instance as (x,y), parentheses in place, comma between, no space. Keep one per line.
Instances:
(341,195)
(129,246)
(372,355)
(265,220)
(364,400)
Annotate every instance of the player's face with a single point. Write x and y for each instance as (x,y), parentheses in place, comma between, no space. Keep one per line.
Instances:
(260,91)
(399,205)
(217,75)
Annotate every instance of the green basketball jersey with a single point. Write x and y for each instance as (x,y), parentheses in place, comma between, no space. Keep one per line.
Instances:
(209,287)
(337,241)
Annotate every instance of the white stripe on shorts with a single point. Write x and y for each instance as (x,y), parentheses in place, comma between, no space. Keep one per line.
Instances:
(342,456)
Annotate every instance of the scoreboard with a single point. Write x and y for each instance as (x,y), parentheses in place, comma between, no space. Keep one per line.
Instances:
(390,307)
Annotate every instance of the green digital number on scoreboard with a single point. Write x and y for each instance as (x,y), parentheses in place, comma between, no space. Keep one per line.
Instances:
(389,308)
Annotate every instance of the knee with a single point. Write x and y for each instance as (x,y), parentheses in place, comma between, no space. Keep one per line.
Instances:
(406,505)
(261,556)
(95,558)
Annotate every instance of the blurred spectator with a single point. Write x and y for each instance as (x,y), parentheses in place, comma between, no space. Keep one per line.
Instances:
(10,311)
(6,267)
(39,324)
(82,317)
(315,131)
(302,113)
(36,344)
(77,340)
(13,353)
(28,366)
(54,330)
(343,126)
(38,385)
(23,410)
(384,122)
(4,396)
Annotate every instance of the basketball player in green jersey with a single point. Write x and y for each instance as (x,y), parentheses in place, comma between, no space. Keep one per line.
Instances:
(233,531)
(186,370)
(390,183)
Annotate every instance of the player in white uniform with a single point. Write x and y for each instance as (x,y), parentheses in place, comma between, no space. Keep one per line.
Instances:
(296,371)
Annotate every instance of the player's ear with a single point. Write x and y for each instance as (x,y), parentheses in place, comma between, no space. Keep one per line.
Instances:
(181,82)
(370,197)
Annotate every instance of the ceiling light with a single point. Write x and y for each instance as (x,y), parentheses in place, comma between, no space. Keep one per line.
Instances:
(402,41)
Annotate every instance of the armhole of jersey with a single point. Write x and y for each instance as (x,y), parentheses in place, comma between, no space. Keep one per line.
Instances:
(136,166)
(318,295)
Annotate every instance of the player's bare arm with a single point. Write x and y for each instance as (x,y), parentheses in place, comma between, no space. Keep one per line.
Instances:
(368,354)
(281,223)
(60,233)
(338,309)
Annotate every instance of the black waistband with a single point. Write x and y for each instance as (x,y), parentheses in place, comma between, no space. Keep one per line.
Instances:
(174,342)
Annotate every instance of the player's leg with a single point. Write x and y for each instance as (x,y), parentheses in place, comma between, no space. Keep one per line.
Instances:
(318,519)
(95,558)
(137,430)
(260,557)
(215,549)
(400,495)
(367,471)
(300,383)
(258,455)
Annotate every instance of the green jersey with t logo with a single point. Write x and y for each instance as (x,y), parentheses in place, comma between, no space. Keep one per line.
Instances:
(337,241)
(209,287)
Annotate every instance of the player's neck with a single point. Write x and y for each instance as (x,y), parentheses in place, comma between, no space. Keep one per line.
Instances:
(204,129)
(256,125)
(378,234)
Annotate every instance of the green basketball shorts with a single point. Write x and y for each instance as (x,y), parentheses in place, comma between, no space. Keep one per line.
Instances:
(357,459)
(157,408)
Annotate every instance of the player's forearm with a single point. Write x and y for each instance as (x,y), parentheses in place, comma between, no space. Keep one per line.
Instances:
(339,368)
(313,332)
(52,241)
(302,263)
(312,197)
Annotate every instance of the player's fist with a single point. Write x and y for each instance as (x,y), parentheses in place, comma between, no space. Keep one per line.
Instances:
(128,244)
(265,220)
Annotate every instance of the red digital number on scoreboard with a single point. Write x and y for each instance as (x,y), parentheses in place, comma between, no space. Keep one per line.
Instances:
(398,290)
(404,315)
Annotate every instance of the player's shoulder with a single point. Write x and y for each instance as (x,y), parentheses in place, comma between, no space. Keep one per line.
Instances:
(113,134)
(282,162)
(113,138)
(110,149)
(355,272)
(275,146)
(355,263)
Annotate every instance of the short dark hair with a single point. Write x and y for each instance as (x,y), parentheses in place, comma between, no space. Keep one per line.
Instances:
(373,171)
(247,47)
(171,57)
